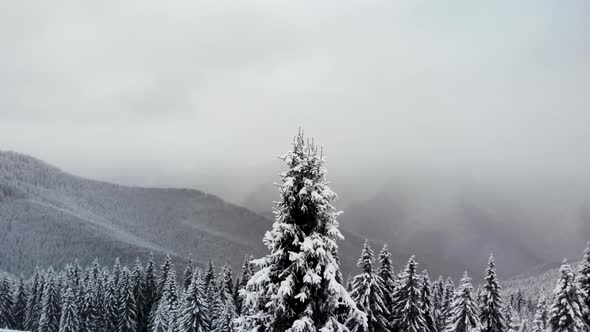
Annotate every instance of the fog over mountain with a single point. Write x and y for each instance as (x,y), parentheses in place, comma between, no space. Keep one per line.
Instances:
(442,121)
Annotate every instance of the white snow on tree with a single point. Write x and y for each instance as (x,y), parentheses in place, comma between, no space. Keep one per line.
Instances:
(568,304)
(490,315)
(368,292)
(583,281)
(541,315)
(194,316)
(70,314)
(296,287)
(407,301)
(463,315)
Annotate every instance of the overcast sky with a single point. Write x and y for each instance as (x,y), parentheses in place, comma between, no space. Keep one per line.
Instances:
(168,92)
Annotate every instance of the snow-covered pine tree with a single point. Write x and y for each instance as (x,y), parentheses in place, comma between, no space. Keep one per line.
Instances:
(437,304)
(89,309)
(568,304)
(161,318)
(296,287)
(6,303)
(194,316)
(448,297)
(149,292)
(127,313)
(138,285)
(583,281)
(171,299)
(520,302)
(111,307)
(387,274)
(407,301)
(70,315)
(209,274)
(116,276)
(242,282)
(368,292)
(225,321)
(188,274)
(20,304)
(50,308)
(541,315)
(33,311)
(165,269)
(490,314)
(223,301)
(427,302)
(463,313)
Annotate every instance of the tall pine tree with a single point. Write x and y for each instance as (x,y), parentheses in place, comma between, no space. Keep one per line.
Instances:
(368,293)
(195,313)
(490,314)
(70,315)
(463,313)
(387,274)
(407,301)
(6,303)
(20,304)
(541,315)
(50,307)
(568,304)
(427,302)
(296,286)
(583,281)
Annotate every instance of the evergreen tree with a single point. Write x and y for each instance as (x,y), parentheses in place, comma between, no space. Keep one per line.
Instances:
(138,286)
(50,308)
(170,299)
(111,307)
(463,312)
(20,305)
(541,316)
(33,311)
(448,297)
(70,315)
(296,286)
(89,309)
(241,284)
(438,309)
(407,302)
(568,304)
(116,272)
(225,321)
(6,303)
(583,281)
(165,269)
(127,313)
(209,274)
(149,291)
(195,313)
(427,302)
(387,274)
(161,319)
(368,293)
(490,314)
(188,274)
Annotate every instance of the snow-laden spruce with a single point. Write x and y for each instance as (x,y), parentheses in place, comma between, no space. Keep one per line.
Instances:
(296,287)
(583,281)
(463,312)
(490,314)
(427,306)
(568,304)
(407,310)
(541,315)
(368,292)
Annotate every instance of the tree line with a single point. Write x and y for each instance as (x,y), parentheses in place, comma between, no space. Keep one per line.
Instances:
(297,287)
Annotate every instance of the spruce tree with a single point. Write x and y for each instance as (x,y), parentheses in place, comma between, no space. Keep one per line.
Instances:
(195,313)
(111,307)
(161,318)
(6,303)
(241,284)
(568,304)
(583,281)
(149,292)
(490,314)
(20,305)
(33,311)
(70,315)
(209,274)
(165,269)
(224,322)
(90,307)
(427,302)
(541,315)
(296,286)
(368,293)
(170,299)
(127,313)
(138,285)
(463,312)
(437,304)
(407,301)
(448,297)
(387,274)
(188,274)
(50,307)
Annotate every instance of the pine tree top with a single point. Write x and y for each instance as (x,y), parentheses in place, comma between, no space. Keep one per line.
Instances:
(367,258)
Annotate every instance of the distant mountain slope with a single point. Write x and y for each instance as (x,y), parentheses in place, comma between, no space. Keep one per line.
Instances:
(50,217)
